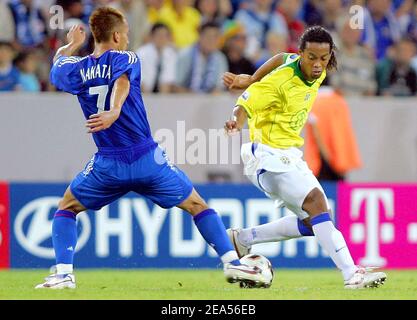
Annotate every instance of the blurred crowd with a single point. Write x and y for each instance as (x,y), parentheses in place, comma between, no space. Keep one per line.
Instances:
(187,45)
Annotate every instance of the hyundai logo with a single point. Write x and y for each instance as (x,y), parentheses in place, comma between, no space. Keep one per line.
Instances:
(40,227)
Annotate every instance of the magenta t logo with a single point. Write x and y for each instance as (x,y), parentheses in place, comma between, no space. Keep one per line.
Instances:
(372,232)
(379,223)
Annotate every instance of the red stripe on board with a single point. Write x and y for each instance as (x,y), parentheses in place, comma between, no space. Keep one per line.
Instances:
(4,226)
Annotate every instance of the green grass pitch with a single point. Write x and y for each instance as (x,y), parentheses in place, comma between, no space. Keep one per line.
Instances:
(289,284)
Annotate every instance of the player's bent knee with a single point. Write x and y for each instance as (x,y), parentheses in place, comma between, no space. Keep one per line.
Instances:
(71,205)
(193,207)
(194,204)
(315,203)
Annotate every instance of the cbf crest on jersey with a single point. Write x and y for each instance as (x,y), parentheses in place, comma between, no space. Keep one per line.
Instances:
(245,96)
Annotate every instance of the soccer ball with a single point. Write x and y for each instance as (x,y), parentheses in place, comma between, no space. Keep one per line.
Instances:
(262,263)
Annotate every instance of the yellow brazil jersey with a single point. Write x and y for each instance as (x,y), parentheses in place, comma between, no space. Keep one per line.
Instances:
(184,28)
(278,105)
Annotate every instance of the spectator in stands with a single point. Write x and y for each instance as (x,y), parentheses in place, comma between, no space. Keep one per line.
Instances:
(331,10)
(74,9)
(238,5)
(323,12)
(216,11)
(7,27)
(275,43)
(412,24)
(258,20)
(290,10)
(26,62)
(136,15)
(154,9)
(31,32)
(9,75)
(412,32)
(158,61)
(183,21)
(311,14)
(234,49)
(381,27)
(403,12)
(30,24)
(331,150)
(356,65)
(395,75)
(200,67)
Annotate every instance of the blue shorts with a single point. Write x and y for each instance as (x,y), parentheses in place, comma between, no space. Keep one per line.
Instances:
(106,178)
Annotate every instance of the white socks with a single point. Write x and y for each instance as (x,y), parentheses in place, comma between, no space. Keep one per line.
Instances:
(230,256)
(281,229)
(329,238)
(334,243)
(64,268)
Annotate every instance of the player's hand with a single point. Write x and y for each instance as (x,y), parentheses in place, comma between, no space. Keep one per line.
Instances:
(237,81)
(76,35)
(101,121)
(231,127)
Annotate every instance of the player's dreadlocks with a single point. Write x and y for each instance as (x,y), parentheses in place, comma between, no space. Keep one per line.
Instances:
(319,34)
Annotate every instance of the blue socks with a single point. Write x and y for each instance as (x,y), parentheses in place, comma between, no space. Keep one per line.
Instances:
(64,237)
(304,230)
(213,231)
(325,216)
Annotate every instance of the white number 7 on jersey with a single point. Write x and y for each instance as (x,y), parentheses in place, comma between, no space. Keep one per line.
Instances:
(101,91)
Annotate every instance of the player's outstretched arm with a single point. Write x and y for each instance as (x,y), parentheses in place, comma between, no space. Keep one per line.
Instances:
(104,120)
(76,37)
(243,81)
(238,121)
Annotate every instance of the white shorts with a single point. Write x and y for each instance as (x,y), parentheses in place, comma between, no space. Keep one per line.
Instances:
(281,174)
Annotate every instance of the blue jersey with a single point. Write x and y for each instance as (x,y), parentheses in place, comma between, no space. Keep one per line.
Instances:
(92,80)
(9,80)
(128,159)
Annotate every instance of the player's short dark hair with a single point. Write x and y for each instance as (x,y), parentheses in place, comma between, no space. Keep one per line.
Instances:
(103,21)
(159,25)
(319,34)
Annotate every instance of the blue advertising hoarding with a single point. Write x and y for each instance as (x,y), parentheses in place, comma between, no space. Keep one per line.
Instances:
(134,233)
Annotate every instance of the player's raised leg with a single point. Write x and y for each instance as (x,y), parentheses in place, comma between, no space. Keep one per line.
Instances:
(64,239)
(285,228)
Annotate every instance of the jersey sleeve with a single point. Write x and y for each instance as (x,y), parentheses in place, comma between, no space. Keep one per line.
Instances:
(126,62)
(64,73)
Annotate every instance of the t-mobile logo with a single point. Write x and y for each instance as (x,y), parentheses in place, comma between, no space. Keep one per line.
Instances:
(371,231)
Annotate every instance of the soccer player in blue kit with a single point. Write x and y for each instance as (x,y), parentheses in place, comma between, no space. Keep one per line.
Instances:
(107,84)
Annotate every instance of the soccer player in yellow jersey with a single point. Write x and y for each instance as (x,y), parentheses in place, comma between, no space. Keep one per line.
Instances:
(276,105)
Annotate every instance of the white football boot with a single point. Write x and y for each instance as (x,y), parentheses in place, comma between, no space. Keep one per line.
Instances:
(55,281)
(364,278)
(239,247)
(248,277)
